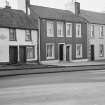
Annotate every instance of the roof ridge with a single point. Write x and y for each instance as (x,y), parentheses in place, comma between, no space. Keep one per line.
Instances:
(93,11)
(47,7)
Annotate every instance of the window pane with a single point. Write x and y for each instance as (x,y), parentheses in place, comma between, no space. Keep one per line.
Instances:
(28,35)
(92,30)
(12,34)
(50,29)
(78,50)
(101,31)
(30,52)
(78,30)
(50,51)
(60,29)
(101,50)
(68,29)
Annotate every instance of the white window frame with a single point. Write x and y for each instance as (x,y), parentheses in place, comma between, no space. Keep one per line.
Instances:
(101,54)
(28,53)
(60,27)
(79,56)
(53,51)
(92,30)
(78,35)
(50,34)
(101,31)
(12,35)
(28,35)
(70,29)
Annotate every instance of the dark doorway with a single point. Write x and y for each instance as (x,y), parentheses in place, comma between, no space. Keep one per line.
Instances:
(92,52)
(22,53)
(61,48)
(67,53)
(13,54)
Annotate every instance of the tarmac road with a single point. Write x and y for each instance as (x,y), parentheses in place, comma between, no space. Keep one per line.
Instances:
(66,88)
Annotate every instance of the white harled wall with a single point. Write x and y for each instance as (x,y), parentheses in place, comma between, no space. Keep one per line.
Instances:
(96,41)
(5,43)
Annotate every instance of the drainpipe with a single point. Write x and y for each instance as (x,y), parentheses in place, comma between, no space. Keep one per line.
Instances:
(39,40)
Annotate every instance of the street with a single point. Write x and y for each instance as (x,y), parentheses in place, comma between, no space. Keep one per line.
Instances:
(66,88)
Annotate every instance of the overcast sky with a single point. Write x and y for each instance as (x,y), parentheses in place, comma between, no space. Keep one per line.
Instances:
(94,5)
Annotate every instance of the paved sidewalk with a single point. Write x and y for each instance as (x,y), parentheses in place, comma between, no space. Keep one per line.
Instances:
(49,65)
(69,64)
(25,69)
(24,66)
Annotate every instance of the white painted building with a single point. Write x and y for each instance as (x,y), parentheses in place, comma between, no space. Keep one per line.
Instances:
(18,37)
(96,34)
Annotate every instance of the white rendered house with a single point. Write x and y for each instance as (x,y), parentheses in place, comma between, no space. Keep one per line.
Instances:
(18,37)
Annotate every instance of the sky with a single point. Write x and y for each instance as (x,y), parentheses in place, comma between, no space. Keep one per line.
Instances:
(94,5)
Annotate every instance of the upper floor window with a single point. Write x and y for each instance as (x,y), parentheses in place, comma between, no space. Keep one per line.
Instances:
(92,30)
(28,35)
(101,31)
(60,29)
(78,50)
(101,50)
(12,34)
(69,29)
(50,29)
(50,51)
(78,30)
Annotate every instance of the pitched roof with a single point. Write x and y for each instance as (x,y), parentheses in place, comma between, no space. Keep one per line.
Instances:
(58,14)
(11,18)
(93,17)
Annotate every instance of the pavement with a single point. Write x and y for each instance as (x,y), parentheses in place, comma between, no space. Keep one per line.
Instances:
(49,65)
(69,64)
(23,69)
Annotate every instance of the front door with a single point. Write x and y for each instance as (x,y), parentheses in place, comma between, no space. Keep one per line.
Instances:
(61,52)
(67,53)
(22,53)
(92,52)
(13,54)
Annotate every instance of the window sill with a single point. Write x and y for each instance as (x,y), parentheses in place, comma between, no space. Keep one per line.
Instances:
(28,40)
(12,40)
(101,56)
(101,37)
(50,36)
(50,58)
(79,57)
(69,36)
(60,36)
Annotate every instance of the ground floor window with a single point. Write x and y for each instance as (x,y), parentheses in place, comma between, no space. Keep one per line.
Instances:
(50,51)
(101,50)
(30,52)
(78,50)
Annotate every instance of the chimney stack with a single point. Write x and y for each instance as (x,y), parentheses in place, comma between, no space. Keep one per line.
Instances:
(7,4)
(24,5)
(73,7)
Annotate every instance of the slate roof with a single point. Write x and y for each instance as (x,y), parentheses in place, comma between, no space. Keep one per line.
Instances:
(93,17)
(11,18)
(58,14)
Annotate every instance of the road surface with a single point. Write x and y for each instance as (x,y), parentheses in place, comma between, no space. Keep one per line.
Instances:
(69,88)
